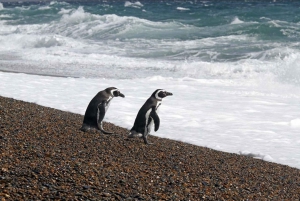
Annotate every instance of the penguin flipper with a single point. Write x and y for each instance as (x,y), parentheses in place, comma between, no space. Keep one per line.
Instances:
(156,119)
(101,112)
(100,117)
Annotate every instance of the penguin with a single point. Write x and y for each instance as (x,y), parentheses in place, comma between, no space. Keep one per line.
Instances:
(97,108)
(147,115)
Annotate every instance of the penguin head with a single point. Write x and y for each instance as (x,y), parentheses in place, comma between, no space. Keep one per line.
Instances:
(114,92)
(161,93)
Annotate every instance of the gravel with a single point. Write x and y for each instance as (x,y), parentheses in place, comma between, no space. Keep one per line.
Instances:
(44,156)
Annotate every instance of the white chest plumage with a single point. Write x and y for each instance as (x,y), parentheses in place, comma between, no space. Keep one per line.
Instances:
(149,120)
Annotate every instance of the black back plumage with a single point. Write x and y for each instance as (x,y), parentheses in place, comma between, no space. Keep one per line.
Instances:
(90,116)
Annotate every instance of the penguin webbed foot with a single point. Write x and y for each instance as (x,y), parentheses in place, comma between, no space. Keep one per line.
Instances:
(134,134)
(85,128)
(131,135)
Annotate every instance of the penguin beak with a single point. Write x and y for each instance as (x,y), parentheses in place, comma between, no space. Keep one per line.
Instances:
(169,94)
(122,95)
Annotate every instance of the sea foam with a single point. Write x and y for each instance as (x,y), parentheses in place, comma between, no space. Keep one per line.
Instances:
(236,20)
(181,8)
(137,4)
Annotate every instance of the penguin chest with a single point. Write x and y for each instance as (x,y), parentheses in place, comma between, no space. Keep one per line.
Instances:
(149,119)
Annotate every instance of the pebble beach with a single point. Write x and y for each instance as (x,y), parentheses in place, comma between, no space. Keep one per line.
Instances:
(44,156)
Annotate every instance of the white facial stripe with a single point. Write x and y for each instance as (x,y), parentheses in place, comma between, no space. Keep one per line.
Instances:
(156,95)
(112,91)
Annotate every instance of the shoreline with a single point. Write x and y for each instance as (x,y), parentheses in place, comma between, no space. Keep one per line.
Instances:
(39,74)
(45,156)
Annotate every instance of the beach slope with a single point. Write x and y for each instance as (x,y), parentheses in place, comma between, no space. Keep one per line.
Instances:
(45,156)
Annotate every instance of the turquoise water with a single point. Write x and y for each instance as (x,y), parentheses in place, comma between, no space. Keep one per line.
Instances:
(239,38)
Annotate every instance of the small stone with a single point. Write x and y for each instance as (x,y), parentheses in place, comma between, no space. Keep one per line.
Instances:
(106,194)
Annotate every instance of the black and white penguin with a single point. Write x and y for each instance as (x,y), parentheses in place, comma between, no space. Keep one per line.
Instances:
(147,115)
(97,108)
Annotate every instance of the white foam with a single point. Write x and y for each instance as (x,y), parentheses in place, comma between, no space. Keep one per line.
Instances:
(44,8)
(257,155)
(5,16)
(76,16)
(295,123)
(236,20)
(1,6)
(60,3)
(136,4)
(129,55)
(49,42)
(182,8)
(64,11)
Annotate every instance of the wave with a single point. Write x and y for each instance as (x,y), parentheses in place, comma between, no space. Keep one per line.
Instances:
(236,20)
(72,56)
(1,6)
(146,39)
(5,16)
(62,3)
(44,8)
(78,23)
(64,11)
(49,42)
(137,46)
(182,9)
(137,4)
(52,54)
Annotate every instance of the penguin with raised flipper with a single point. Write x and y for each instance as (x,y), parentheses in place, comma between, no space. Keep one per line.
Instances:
(97,108)
(147,115)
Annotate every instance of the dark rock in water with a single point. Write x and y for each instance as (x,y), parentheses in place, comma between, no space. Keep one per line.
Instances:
(43,156)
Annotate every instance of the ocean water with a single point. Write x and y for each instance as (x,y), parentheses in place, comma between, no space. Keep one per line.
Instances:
(233,66)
